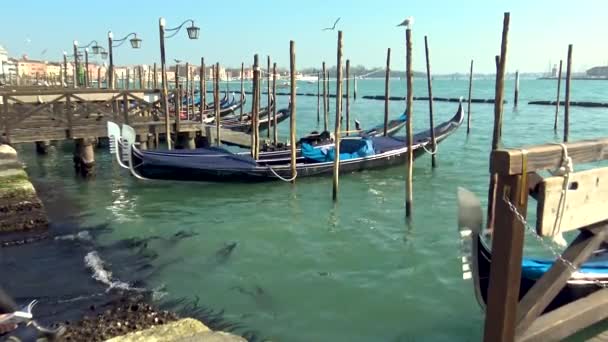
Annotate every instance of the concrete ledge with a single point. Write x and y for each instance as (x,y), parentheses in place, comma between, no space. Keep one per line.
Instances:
(186,329)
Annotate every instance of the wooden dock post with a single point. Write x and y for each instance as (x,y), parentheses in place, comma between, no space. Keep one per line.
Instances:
(275,127)
(292,117)
(187,91)
(204,86)
(409,110)
(337,123)
(500,318)
(165,96)
(149,78)
(516,94)
(355,89)
(567,99)
(347,97)
(318,98)
(84,156)
(242,89)
(430,87)
(387,89)
(559,85)
(192,95)
(325,119)
(128,79)
(141,76)
(216,100)
(254,108)
(327,97)
(176,75)
(469,101)
(268,98)
(155,79)
(201,86)
(99,78)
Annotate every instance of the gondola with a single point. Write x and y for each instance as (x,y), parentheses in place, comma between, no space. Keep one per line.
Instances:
(242,123)
(479,260)
(219,165)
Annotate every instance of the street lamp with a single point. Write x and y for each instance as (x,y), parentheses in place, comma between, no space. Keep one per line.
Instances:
(193,33)
(96,49)
(135,44)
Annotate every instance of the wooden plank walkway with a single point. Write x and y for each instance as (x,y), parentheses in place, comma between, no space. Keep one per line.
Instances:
(31,115)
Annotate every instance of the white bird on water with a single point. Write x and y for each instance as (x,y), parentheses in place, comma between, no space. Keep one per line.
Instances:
(408,22)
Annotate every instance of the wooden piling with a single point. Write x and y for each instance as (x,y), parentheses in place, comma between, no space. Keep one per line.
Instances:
(318,98)
(410,135)
(242,89)
(500,319)
(192,94)
(99,78)
(149,78)
(325,119)
(201,82)
(204,88)
(268,97)
(516,93)
(327,97)
(254,107)
(216,99)
(559,84)
(470,94)
(347,97)
(567,105)
(387,89)
(155,79)
(430,87)
(141,76)
(292,117)
(275,128)
(128,79)
(176,75)
(355,89)
(187,92)
(337,123)
(84,156)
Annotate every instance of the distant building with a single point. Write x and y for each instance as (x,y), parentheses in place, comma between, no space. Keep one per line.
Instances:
(7,65)
(598,71)
(31,68)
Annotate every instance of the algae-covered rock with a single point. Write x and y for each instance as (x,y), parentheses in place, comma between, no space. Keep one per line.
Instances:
(174,331)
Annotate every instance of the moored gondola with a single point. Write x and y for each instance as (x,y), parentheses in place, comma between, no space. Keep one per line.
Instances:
(219,165)
(477,261)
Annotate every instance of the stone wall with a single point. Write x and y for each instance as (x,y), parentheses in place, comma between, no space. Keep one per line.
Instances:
(20,207)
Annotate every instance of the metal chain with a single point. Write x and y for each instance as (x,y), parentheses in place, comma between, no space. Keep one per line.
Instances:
(530,230)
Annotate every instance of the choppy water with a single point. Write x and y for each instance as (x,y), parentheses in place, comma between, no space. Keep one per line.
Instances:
(304,269)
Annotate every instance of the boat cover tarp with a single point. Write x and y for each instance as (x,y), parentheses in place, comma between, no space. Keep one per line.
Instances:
(535,268)
(349,149)
(206,158)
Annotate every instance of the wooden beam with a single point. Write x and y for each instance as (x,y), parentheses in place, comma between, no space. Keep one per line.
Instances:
(568,319)
(545,157)
(548,286)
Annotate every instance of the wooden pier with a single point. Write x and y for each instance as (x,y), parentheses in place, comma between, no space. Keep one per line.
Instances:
(511,315)
(59,114)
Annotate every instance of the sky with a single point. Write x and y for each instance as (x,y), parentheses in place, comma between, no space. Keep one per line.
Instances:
(233,31)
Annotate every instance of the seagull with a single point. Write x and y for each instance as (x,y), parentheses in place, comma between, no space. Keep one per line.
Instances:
(43,52)
(177,61)
(333,27)
(409,21)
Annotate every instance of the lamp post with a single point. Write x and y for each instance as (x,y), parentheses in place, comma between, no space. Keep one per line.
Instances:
(193,33)
(95,49)
(135,43)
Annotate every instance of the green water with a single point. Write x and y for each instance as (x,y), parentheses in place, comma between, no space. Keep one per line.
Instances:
(306,269)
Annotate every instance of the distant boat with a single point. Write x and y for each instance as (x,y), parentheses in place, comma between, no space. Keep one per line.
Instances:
(307,78)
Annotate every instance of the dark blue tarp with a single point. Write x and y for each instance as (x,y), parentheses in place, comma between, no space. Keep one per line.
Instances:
(206,158)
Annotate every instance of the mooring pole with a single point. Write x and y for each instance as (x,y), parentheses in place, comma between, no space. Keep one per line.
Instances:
(559,85)
(410,136)
(254,107)
(516,94)
(347,97)
(155,78)
(187,90)
(502,298)
(268,98)
(216,99)
(128,79)
(567,106)
(387,89)
(204,86)
(292,117)
(274,108)
(176,75)
(98,77)
(163,68)
(318,98)
(430,87)
(355,90)
(242,90)
(325,119)
(141,76)
(470,94)
(201,86)
(337,123)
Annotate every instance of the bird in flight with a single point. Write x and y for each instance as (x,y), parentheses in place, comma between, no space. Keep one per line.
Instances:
(177,61)
(333,27)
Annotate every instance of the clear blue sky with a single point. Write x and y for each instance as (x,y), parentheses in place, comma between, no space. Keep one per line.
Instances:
(232,31)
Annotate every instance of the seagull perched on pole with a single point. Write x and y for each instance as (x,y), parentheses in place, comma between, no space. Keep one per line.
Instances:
(408,22)
(333,27)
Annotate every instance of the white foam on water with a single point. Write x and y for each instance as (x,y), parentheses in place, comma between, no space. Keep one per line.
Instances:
(83,235)
(94,262)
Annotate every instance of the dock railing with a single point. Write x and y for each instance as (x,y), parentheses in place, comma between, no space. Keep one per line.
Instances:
(507,317)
